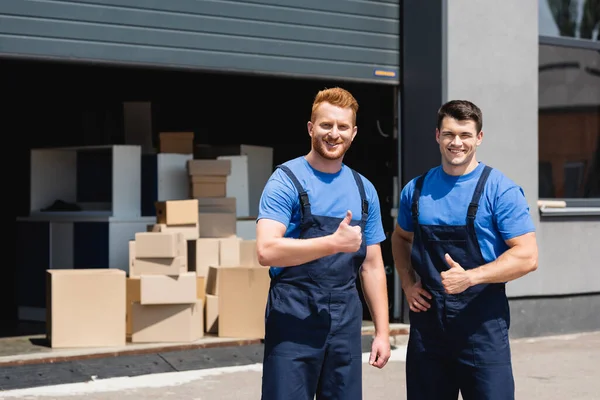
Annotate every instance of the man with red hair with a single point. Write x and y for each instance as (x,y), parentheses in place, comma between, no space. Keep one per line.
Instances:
(319,228)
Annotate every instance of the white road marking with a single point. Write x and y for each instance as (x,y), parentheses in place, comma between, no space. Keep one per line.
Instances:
(159,380)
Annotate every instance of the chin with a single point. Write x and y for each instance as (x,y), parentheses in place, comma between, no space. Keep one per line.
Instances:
(331,155)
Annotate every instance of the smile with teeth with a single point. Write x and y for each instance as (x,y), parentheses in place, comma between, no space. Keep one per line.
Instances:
(331,144)
(456,151)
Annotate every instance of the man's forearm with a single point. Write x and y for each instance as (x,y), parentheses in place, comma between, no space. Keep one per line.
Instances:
(287,252)
(374,284)
(401,252)
(512,264)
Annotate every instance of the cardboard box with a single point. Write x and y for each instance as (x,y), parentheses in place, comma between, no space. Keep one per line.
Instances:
(177,212)
(176,142)
(242,293)
(160,245)
(190,232)
(217,225)
(134,295)
(211,314)
(85,307)
(168,289)
(203,253)
(167,323)
(209,167)
(238,252)
(158,266)
(208,186)
(216,204)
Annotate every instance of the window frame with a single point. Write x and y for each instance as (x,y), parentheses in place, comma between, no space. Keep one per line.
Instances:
(572,206)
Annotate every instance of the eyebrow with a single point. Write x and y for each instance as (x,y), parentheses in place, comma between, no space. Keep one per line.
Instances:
(461,133)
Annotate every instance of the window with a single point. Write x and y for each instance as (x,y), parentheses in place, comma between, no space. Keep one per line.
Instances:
(569,123)
(577,19)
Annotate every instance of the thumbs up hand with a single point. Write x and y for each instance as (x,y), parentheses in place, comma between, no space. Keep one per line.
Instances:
(455,279)
(347,238)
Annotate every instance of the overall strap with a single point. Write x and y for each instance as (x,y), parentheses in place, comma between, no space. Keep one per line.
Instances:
(474,205)
(363,197)
(414,208)
(303,195)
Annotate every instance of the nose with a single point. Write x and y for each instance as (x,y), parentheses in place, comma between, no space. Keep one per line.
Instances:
(335,132)
(456,141)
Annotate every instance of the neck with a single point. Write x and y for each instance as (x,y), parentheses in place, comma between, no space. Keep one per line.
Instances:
(458,170)
(322,164)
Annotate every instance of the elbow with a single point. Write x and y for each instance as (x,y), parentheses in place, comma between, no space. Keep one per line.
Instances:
(532,264)
(264,258)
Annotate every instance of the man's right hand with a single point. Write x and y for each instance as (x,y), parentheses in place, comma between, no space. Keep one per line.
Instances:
(416,297)
(347,239)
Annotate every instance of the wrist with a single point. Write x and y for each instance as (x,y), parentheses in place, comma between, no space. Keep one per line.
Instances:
(474,276)
(330,243)
(382,333)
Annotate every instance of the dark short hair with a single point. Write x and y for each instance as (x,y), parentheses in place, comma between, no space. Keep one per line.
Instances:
(461,110)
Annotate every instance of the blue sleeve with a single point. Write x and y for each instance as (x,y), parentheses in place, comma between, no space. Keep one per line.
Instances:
(374,227)
(278,199)
(511,213)
(404,219)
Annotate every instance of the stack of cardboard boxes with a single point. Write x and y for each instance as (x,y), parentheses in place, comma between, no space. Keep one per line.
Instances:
(165,300)
(189,274)
(208,184)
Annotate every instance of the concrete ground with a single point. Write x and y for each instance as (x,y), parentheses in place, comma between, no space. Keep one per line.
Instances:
(551,368)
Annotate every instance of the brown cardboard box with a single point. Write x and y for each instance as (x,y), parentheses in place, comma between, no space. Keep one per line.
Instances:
(249,253)
(134,295)
(201,288)
(85,307)
(217,225)
(208,186)
(201,254)
(238,252)
(209,167)
(160,245)
(190,232)
(158,266)
(211,314)
(168,289)
(167,323)
(242,293)
(176,142)
(217,204)
(229,251)
(177,212)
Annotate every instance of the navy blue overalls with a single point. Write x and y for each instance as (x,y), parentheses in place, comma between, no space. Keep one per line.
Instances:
(461,342)
(314,317)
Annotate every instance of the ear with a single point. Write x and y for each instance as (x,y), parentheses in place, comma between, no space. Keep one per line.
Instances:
(479,138)
(437,135)
(309,126)
(354,132)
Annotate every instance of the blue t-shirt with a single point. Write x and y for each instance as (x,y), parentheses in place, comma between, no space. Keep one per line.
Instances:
(503,210)
(330,195)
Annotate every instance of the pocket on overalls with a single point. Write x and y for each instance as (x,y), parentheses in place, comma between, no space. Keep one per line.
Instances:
(491,343)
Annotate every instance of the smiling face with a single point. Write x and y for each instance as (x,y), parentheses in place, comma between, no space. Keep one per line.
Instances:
(332,131)
(458,140)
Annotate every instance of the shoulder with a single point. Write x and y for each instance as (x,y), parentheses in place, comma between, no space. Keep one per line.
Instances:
(370,190)
(428,177)
(499,184)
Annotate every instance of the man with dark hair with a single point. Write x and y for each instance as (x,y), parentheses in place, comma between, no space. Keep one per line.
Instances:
(463,231)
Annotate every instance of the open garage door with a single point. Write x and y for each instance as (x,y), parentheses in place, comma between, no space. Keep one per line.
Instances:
(341,39)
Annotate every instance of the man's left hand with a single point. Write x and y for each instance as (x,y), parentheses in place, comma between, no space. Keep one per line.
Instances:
(380,352)
(456,279)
